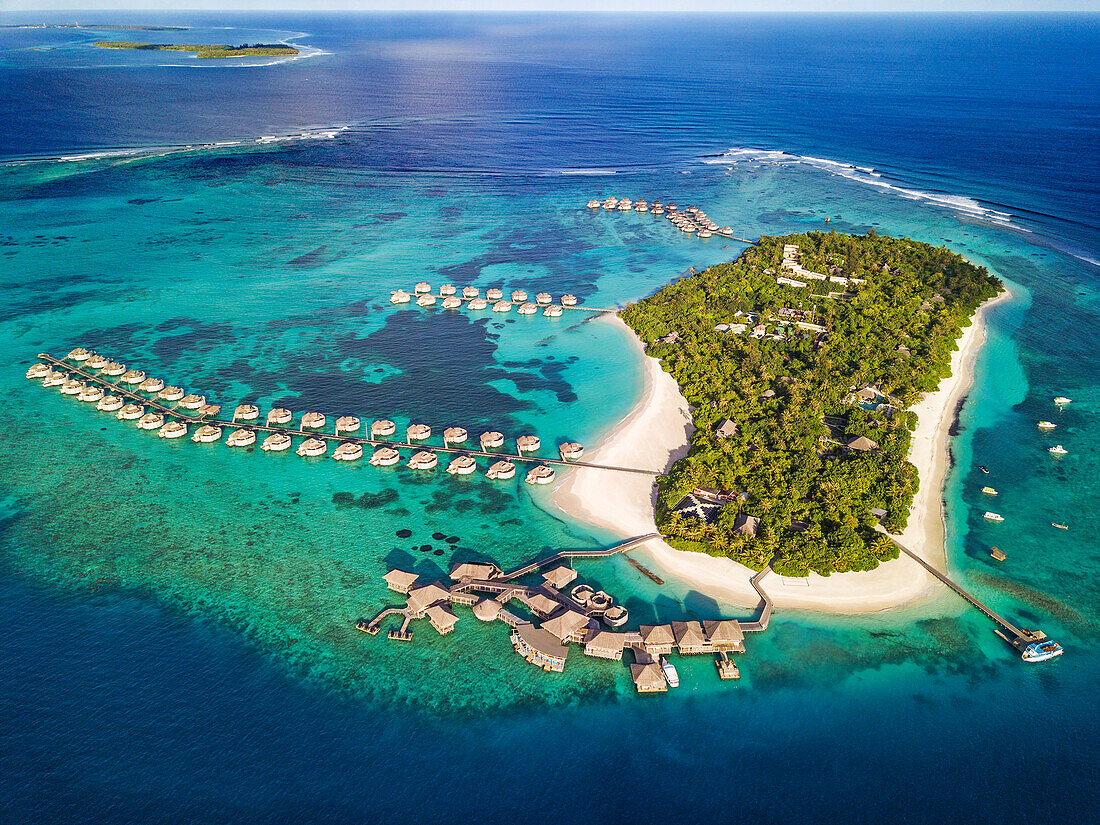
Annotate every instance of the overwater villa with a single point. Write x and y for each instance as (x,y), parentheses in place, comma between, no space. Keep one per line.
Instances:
(528,443)
(171,394)
(570,450)
(518,296)
(470,292)
(89,394)
(276,443)
(246,412)
(641,206)
(400,296)
(615,616)
(477,303)
(604,644)
(110,403)
(54,378)
(72,387)
(528,309)
(400,581)
(447,289)
(97,362)
(502,306)
(540,474)
(648,677)
(423,288)
(151,385)
(455,435)
(385,457)
(243,437)
(657,638)
(442,618)
(502,471)
(491,440)
(552,311)
(279,415)
(452,302)
(149,421)
(487,610)
(544,298)
(133,377)
(494,294)
(424,460)
(37,371)
(312,447)
(80,354)
(462,466)
(418,432)
(173,429)
(207,433)
(313,421)
(348,451)
(383,427)
(593,204)
(539,647)
(192,401)
(347,424)
(425,301)
(131,412)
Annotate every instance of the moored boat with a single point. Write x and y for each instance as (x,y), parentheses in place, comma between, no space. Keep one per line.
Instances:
(994,516)
(989,491)
(1058,449)
(1047,425)
(1061,400)
(669,670)
(1041,651)
(1059,526)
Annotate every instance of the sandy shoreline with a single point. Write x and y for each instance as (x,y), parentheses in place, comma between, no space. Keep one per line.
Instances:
(655,434)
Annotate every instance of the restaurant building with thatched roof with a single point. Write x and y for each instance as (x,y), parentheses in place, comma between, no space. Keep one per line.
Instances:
(539,603)
(487,610)
(746,525)
(474,570)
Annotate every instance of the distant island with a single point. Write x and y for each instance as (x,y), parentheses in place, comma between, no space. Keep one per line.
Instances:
(102,28)
(800,360)
(205,50)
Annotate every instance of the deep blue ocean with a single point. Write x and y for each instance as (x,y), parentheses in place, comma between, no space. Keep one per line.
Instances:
(178,641)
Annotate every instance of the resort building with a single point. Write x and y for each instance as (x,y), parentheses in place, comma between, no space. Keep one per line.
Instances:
(539,603)
(560,577)
(691,505)
(422,598)
(400,581)
(442,618)
(689,637)
(862,444)
(746,524)
(657,638)
(725,635)
(725,429)
(474,570)
(605,644)
(568,626)
(648,678)
(538,647)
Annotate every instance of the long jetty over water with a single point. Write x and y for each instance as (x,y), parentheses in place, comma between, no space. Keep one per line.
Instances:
(192,417)
(1005,629)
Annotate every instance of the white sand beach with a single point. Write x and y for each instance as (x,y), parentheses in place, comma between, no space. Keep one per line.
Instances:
(655,434)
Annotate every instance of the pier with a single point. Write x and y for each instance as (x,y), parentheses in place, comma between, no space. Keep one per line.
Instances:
(1015,636)
(569,555)
(198,417)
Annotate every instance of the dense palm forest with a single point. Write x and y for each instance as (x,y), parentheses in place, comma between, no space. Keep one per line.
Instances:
(800,395)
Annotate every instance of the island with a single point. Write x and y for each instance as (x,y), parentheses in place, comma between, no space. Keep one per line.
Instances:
(205,50)
(800,361)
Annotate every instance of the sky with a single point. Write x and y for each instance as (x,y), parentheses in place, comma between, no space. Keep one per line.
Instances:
(670,6)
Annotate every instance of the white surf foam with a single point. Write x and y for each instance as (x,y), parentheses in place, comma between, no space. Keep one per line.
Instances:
(869,176)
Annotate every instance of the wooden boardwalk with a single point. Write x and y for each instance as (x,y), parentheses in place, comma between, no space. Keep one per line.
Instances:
(566,555)
(1001,621)
(760,624)
(193,418)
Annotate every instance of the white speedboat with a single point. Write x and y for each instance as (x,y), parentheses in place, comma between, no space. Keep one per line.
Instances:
(669,669)
(1041,651)
(994,516)
(1058,449)
(1047,425)
(1061,400)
